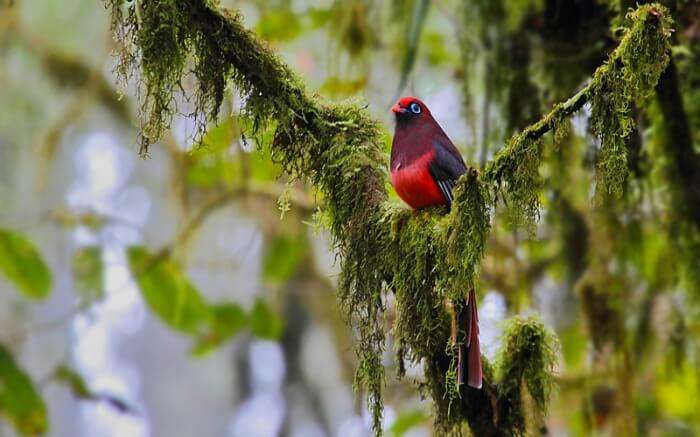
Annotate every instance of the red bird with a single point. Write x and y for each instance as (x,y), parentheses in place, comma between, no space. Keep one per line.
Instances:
(425,166)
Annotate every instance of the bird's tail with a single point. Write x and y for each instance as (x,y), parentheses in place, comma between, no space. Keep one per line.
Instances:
(466,334)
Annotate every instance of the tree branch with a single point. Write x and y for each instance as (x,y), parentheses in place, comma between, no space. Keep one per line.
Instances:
(71,72)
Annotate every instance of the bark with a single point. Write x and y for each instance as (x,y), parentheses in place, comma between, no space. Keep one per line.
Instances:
(686,162)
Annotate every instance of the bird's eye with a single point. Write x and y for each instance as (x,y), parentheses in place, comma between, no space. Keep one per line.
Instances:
(415,108)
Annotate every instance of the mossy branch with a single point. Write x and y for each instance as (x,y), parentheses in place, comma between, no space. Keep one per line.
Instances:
(424,258)
(630,73)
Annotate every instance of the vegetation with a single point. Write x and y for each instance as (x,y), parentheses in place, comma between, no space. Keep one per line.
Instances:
(408,266)
(339,149)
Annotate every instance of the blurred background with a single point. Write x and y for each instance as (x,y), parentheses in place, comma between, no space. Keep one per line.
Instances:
(191,292)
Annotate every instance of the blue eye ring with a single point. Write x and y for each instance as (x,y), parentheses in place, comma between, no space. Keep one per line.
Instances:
(415,108)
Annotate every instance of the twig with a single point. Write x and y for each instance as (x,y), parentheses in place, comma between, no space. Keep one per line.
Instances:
(267,191)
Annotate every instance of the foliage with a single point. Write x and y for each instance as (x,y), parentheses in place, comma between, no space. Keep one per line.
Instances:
(19,401)
(406,422)
(78,387)
(264,323)
(168,293)
(624,267)
(526,361)
(282,257)
(88,272)
(176,301)
(225,321)
(22,264)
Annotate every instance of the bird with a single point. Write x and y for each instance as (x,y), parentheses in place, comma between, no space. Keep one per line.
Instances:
(424,168)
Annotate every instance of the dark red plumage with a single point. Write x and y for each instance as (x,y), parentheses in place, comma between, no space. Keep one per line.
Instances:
(425,165)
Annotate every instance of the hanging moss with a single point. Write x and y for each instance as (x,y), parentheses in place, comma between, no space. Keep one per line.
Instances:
(526,362)
(602,309)
(463,237)
(425,258)
(628,76)
(611,120)
(421,321)
(644,49)
(514,171)
(519,175)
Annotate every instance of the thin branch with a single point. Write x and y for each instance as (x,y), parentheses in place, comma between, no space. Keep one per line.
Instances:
(559,112)
(266,191)
(71,72)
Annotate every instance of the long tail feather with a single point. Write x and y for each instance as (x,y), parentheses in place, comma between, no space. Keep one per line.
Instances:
(467,337)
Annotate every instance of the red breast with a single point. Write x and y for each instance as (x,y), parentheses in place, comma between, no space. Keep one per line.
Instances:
(415,185)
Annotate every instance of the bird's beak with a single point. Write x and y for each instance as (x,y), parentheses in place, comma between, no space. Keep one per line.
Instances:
(396,109)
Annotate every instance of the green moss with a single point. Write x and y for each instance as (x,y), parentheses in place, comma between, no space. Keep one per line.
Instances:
(611,120)
(526,361)
(602,309)
(462,237)
(516,168)
(162,37)
(423,286)
(421,321)
(452,394)
(631,74)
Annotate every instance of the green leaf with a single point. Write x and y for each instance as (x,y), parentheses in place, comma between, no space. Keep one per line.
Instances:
(20,403)
(282,257)
(406,421)
(679,395)
(220,136)
(226,321)
(79,388)
(175,300)
(336,86)
(211,164)
(22,264)
(264,323)
(167,291)
(318,16)
(436,50)
(279,25)
(88,272)
(263,169)
(72,380)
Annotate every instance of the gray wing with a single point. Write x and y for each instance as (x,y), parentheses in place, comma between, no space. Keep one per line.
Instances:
(446,167)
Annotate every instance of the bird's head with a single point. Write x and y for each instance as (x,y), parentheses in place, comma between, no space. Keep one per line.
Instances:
(409,109)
